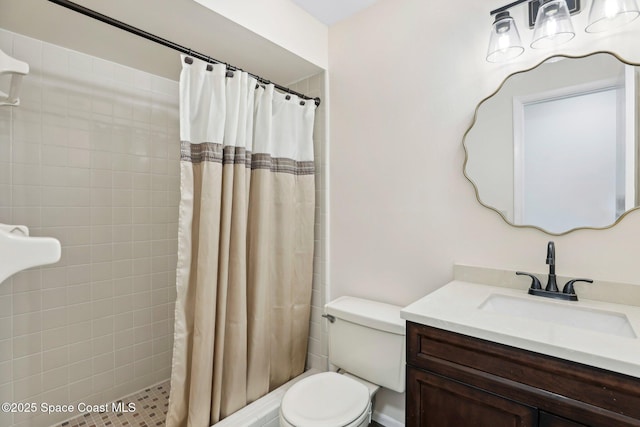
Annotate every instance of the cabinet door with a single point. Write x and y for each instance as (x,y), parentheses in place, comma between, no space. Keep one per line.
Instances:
(435,401)
(550,420)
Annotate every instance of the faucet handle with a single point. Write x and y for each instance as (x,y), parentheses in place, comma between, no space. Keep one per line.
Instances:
(535,282)
(568,288)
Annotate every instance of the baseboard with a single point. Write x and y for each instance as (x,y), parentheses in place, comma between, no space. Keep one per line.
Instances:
(386,420)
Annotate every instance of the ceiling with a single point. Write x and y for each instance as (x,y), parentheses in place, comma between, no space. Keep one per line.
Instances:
(332,11)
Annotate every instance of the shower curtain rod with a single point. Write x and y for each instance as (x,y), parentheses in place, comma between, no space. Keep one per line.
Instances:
(164,42)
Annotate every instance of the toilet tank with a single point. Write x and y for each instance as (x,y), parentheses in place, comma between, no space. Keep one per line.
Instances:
(367,339)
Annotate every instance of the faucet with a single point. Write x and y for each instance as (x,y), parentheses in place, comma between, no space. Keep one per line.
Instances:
(552,286)
(551,290)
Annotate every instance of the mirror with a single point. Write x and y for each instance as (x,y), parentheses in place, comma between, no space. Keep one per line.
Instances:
(555,147)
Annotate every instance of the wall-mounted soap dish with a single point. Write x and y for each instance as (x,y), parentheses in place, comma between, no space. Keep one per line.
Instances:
(17,70)
(19,251)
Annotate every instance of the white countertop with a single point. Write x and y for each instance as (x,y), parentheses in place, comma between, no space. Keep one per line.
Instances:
(455,308)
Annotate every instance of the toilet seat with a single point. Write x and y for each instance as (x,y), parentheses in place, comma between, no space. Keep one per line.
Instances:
(326,399)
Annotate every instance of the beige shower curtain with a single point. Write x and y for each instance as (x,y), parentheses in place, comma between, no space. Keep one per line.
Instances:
(245,249)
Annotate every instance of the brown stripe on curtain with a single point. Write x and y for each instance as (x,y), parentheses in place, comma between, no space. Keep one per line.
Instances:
(212,152)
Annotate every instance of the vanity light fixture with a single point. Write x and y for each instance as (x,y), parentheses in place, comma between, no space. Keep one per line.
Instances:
(504,43)
(551,23)
(605,15)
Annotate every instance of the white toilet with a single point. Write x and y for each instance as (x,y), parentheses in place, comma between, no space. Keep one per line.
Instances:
(367,343)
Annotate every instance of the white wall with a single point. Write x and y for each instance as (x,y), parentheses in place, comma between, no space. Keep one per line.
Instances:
(280,21)
(405,77)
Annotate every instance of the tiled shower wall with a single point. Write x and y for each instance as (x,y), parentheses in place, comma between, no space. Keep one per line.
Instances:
(315,86)
(91,157)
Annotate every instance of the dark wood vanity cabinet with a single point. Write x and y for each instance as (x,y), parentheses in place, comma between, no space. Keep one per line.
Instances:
(455,380)
(444,402)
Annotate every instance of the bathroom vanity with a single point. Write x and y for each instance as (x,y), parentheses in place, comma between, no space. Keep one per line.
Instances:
(476,382)
(471,362)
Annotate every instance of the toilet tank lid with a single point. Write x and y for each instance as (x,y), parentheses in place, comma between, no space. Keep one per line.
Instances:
(373,314)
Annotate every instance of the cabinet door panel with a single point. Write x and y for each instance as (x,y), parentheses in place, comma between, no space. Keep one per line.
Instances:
(442,402)
(549,420)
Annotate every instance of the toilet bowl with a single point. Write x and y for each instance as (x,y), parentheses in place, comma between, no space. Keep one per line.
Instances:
(326,399)
(367,341)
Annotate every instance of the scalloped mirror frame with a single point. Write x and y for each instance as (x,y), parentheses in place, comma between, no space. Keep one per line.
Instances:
(473,122)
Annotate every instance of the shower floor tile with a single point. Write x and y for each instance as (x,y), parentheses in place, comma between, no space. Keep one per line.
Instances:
(150,411)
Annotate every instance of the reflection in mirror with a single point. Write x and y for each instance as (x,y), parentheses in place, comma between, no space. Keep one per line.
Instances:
(556,146)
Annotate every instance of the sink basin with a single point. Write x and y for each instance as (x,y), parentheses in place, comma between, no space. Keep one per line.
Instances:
(607,322)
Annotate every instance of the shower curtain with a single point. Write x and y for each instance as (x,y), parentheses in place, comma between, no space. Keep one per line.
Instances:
(245,243)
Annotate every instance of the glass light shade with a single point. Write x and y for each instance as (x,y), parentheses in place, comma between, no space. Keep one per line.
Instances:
(609,14)
(553,25)
(504,42)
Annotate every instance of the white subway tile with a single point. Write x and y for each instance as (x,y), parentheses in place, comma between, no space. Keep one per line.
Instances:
(26,345)
(80,293)
(54,338)
(6,327)
(80,370)
(123,304)
(25,152)
(123,321)
(55,318)
(55,378)
(143,367)
(79,158)
(102,308)
(124,338)
(103,326)
(123,357)
(27,302)
(28,387)
(103,363)
(103,381)
(57,396)
(80,351)
(80,313)
(56,358)
(102,345)
(124,373)
(54,298)
(24,281)
(25,324)
(6,350)
(24,367)
(75,256)
(80,331)
(6,372)
(142,333)
(80,390)
(143,350)
(78,235)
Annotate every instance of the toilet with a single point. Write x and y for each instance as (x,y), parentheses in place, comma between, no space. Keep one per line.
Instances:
(367,345)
